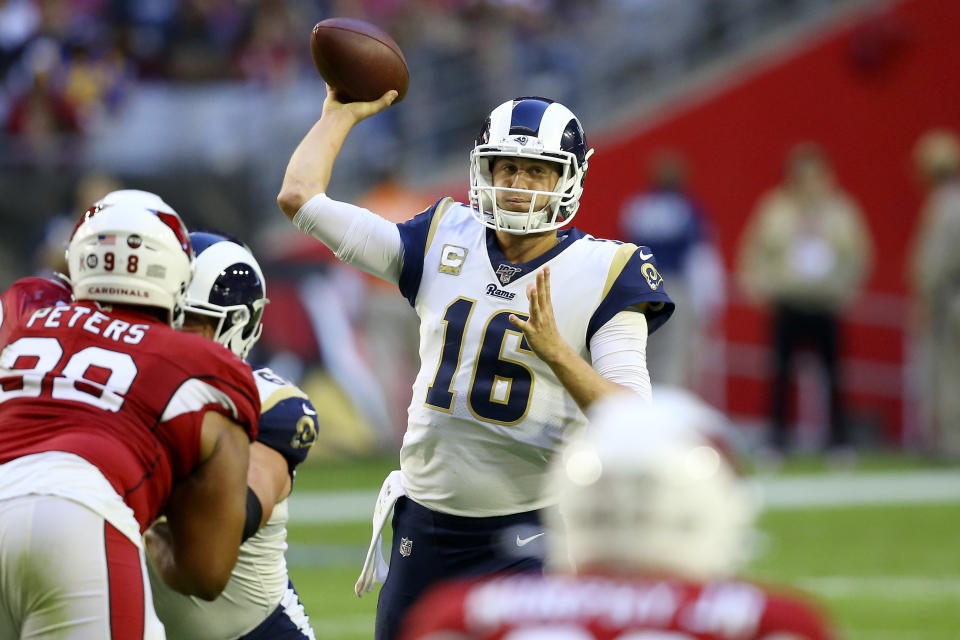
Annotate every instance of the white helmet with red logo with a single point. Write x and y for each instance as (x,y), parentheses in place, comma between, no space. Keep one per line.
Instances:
(650,488)
(132,248)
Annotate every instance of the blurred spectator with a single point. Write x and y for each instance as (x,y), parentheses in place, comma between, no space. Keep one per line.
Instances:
(50,254)
(146,29)
(206,33)
(662,30)
(269,57)
(936,283)
(95,80)
(669,220)
(805,254)
(19,21)
(42,123)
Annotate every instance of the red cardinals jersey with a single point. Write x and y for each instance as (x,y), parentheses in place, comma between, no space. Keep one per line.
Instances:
(117,388)
(528,607)
(26,296)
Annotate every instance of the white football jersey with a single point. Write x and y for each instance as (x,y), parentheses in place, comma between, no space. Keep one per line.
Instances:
(259,580)
(487,413)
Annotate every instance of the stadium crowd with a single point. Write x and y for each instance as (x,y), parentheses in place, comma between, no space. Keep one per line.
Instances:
(66,64)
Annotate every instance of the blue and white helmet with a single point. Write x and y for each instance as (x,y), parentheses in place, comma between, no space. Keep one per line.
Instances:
(227,285)
(536,128)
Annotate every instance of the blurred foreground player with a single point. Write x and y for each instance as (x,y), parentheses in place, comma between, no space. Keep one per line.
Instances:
(653,523)
(507,364)
(225,303)
(108,416)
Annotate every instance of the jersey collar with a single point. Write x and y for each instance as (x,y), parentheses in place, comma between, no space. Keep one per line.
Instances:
(508,271)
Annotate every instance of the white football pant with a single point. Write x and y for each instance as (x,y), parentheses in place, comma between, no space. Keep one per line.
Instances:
(67,574)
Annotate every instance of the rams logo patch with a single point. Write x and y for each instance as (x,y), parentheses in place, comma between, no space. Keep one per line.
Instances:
(306,433)
(653,277)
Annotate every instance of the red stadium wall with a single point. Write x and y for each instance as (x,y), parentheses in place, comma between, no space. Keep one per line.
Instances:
(865,90)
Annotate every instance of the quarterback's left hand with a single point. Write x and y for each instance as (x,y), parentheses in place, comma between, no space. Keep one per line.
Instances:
(540,329)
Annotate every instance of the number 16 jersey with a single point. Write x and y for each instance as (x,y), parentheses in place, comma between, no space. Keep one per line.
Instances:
(486,413)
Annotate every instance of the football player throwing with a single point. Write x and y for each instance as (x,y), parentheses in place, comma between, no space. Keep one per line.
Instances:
(508,362)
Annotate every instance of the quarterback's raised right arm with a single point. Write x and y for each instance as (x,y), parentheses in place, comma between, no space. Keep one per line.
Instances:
(310,166)
(355,235)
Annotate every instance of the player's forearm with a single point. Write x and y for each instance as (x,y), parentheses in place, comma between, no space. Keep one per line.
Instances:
(580,379)
(159,544)
(618,351)
(204,551)
(162,550)
(268,478)
(311,165)
(206,513)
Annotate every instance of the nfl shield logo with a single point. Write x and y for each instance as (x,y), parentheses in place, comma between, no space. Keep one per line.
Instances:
(506,272)
(406,547)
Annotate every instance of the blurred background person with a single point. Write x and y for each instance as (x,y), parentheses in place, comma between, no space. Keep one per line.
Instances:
(936,283)
(653,520)
(805,254)
(50,253)
(666,217)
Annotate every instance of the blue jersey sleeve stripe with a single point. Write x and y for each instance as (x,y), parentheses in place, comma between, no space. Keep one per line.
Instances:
(637,281)
(415,236)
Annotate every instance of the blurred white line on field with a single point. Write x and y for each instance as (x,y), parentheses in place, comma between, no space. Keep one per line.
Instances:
(776,492)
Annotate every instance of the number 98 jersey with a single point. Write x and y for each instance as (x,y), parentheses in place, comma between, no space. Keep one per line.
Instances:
(115,387)
(487,413)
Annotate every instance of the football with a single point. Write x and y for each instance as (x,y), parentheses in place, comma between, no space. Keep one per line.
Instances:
(359,60)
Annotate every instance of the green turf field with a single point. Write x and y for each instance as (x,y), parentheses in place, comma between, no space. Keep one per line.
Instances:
(883,571)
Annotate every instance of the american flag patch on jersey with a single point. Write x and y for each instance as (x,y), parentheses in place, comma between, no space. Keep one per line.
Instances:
(107,238)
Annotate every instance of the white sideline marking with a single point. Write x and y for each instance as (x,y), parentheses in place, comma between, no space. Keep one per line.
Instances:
(336,627)
(322,507)
(847,489)
(890,587)
(778,492)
